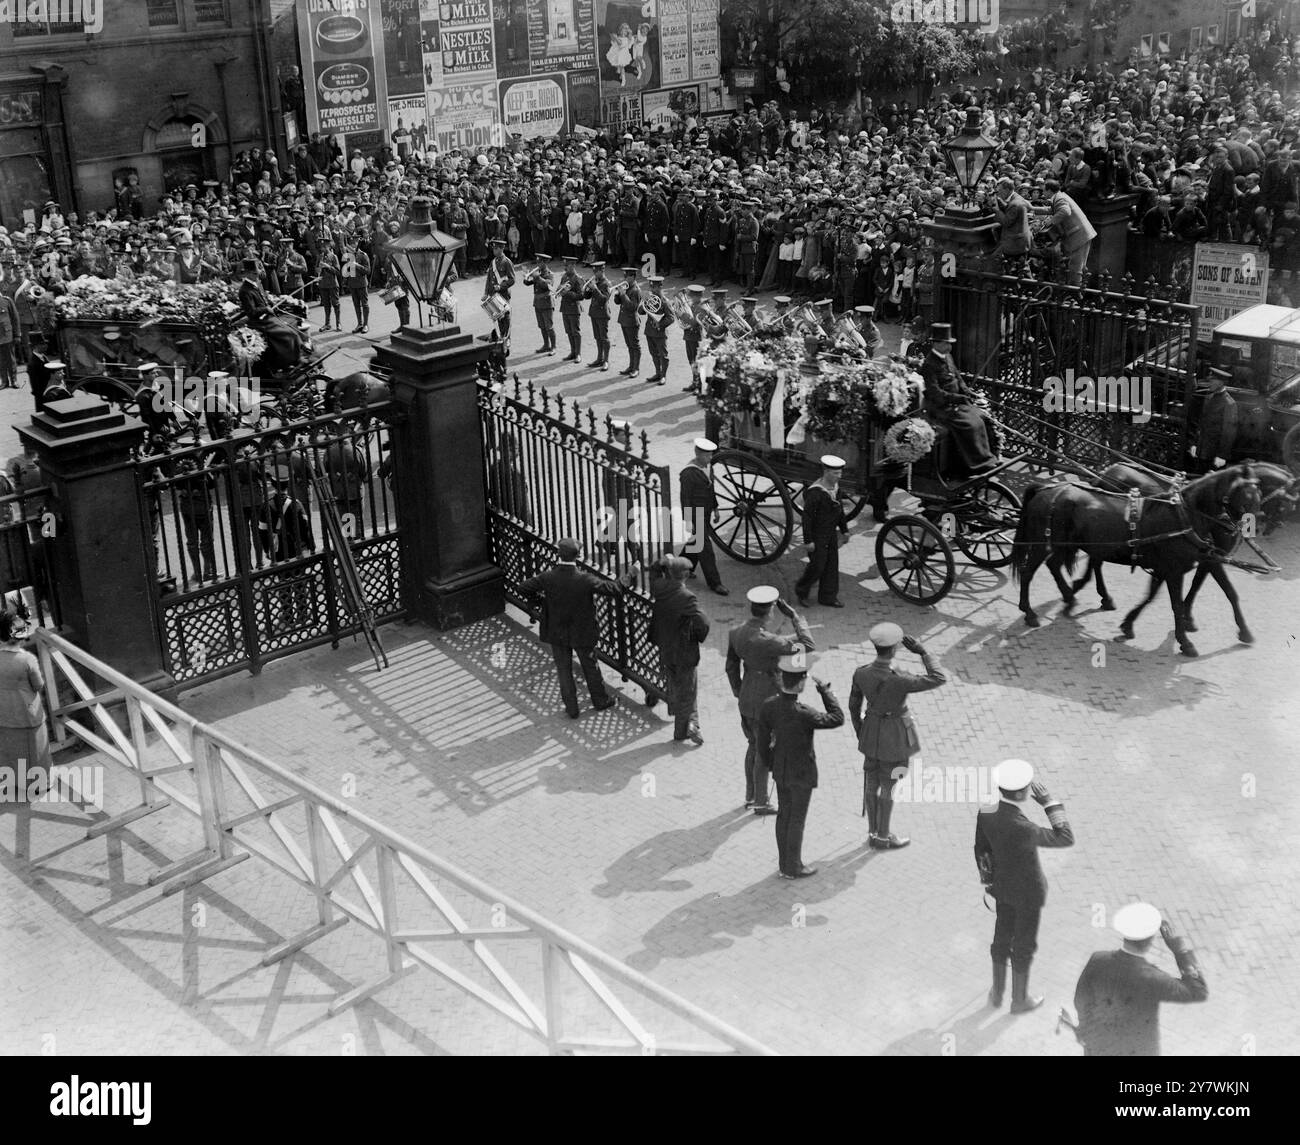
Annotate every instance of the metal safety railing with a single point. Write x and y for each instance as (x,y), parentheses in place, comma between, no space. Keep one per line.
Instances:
(361,872)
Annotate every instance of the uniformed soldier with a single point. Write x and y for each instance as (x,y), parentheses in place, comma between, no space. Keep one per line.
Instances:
(846,264)
(542,279)
(1218,429)
(700,508)
(886,734)
(628,296)
(692,332)
(746,239)
(784,316)
(1119,993)
(678,627)
(866,319)
(784,734)
(658,224)
(598,291)
(571,307)
(500,280)
(658,317)
(757,649)
(714,228)
(1006,853)
(824,530)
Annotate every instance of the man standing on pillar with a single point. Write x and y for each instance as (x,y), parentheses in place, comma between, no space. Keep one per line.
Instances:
(824,530)
(1070,226)
(1006,853)
(657,320)
(1012,213)
(886,735)
(784,734)
(699,510)
(543,304)
(571,307)
(598,291)
(755,648)
(628,296)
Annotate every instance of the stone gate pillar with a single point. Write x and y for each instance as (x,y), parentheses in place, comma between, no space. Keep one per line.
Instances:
(964,241)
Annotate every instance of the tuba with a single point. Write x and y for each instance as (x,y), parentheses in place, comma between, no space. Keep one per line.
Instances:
(806,321)
(736,322)
(680,306)
(710,320)
(766,320)
(847,336)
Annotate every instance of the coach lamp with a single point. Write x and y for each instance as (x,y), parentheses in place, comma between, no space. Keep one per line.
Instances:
(423,256)
(968,155)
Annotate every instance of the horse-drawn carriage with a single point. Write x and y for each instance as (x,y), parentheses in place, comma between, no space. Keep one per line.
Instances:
(777,404)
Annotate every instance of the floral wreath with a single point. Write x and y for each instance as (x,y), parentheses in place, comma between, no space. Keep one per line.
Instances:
(908,440)
(247,345)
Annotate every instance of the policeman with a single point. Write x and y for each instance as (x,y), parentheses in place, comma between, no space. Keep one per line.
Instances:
(1119,993)
(1006,854)
(757,649)
(543,305)
(598,291)
(886,734)
(692,332)
(784,733)
(658,317)
(1218,429)
(824,530)
(628,296)
(700,509)
(571,307)
(686,222)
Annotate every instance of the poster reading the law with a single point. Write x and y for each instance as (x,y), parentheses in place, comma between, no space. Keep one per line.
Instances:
(338,42)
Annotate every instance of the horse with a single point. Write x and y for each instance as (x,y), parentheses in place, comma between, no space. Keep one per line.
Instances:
(1279,497)
(1167,534)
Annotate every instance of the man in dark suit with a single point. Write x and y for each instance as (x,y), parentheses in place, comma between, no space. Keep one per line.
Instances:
(569,622)
(700,508)
(757,649)
(784,735)
(1006,853)
(886,735)
(678,627)
(1218,427)
(1119,993)
(1013,214)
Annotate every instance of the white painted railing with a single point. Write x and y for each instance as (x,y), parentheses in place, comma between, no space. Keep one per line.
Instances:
(250,806)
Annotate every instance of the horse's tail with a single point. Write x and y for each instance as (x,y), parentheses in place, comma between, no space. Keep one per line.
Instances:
(1020,544)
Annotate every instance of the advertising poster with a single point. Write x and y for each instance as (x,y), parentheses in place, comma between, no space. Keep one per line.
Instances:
(627,48)
(706,61)
(675,41)
(466,41)
(403,57)
(620,109)
(339,41)
(464,116)
(429,44)
(510,20)
(1226,279)
(534,107)
(666,108)
(408,125)
(561,34)
(584,98)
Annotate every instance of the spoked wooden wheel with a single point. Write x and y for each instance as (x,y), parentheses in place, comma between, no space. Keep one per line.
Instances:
(985,531)
(755,513)
(915,560)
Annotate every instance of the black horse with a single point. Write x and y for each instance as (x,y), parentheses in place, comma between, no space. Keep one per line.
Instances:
(1278,500)
(1167,534)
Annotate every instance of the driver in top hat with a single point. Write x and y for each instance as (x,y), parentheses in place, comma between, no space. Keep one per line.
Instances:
(949,403)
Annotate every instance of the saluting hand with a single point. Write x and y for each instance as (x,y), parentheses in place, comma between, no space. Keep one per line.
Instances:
(784,606)
(913,645)
(1040,793)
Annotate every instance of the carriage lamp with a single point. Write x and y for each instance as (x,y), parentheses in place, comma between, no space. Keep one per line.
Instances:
(423,255)
(969,153)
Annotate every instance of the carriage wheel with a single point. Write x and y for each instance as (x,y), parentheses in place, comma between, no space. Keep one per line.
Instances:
(915,560)
(1291,449)
(755,513)
(985,534)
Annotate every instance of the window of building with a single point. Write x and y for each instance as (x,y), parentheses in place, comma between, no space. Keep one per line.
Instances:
(1195,38)
(1212,34)
(1147,46)
(210,11)
(1234,24)
(163,13)
(45,26)
(1162,44)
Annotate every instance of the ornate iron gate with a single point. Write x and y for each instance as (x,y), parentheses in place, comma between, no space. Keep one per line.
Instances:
(236,537)
(1030,331)
(27,520)
(548,478)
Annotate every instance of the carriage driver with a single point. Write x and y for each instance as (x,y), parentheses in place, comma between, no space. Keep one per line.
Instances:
(949,403)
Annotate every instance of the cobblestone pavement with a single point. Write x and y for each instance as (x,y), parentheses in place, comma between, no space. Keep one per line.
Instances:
(1173,772)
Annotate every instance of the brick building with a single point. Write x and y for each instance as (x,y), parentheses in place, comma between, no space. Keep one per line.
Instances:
(169,89)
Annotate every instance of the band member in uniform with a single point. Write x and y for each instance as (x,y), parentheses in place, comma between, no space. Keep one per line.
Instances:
(692,332)
(678,627)
(500,279)
(824,530)
(746,239)
(1006,853)
(700,508)
(784,734)
(628,297)
(866,318)
(948,401)
(569,622)
(886,734)
(571,307)
(598,290)
(541,280)
(757,649)
(784,316)
(1218,429)
(657,320)
(1119,993)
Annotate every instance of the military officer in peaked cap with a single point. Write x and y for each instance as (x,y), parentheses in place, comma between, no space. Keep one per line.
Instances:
(628,296)
(886,734)
(1006,853)
(753,650)
(1119,992)
(784,736)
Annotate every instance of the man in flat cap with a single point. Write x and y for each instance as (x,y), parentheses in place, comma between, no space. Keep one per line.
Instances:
(1006,854)
(886,734)
(699,505)
(569,621)
(678,627)
(1119,992)
(783,733)
(754,647)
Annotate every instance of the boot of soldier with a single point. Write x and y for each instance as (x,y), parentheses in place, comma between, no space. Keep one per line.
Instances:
(884,841)
(872,805)
(1021,1000)
(998,992)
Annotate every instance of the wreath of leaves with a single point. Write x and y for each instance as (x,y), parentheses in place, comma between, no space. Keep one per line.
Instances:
(909,440)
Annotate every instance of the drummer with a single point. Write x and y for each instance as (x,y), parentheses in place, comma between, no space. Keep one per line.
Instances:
(824,530)
(500,278)
(950,403)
